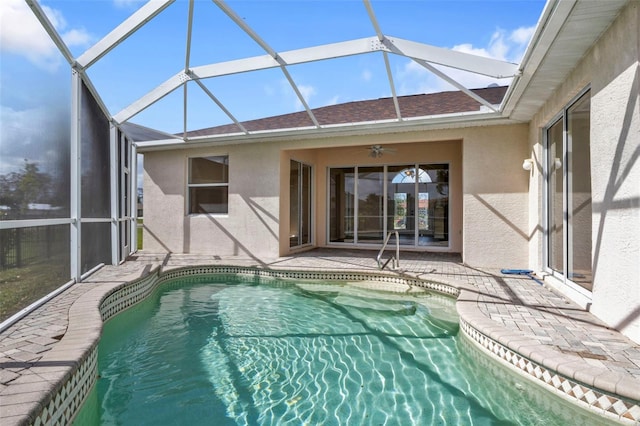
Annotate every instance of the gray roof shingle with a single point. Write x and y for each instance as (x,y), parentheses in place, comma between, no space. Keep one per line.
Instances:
(365,111)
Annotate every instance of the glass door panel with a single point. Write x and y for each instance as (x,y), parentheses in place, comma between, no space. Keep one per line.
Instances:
(299,204)
(401,206)
(370,205)
(305,205)
(568,185)
(412,200)
(342,185)
(555,162)
(294,203)
(579,194)
(433,205)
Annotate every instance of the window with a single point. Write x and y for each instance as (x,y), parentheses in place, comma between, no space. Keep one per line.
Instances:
(568,184)
(208,185)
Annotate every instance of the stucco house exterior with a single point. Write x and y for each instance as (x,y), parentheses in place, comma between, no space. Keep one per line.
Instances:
(550,181)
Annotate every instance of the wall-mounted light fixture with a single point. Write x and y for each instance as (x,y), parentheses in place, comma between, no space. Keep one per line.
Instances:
(527,164)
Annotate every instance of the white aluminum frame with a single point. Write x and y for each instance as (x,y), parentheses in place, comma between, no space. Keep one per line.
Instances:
(133,198)
(115,194)
(563,275)
(382,39)
(76,176)
(121,32)
(424,54)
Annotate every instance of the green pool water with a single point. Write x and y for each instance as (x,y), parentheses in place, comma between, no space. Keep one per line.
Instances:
(201,351)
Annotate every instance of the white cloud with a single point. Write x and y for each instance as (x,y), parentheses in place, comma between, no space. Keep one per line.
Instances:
(522,35)
(366,75)
(22,34)
(36,133)
(288,95)
(269,90)
(503,45)
(56,17)
(414,78)
(307,92)
(334,100)
(127,3)
(76,37)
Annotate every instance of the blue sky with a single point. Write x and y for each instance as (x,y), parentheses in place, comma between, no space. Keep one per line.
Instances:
(34,78)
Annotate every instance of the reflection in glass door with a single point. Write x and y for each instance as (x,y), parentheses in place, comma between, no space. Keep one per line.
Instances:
(410,199)
(401,187)
(342,186)
(433,195)
(579,208)
(555,242)
(568,187)
(370,204)
(299,204)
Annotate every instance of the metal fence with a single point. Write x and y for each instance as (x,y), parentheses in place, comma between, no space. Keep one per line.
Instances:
(22,246)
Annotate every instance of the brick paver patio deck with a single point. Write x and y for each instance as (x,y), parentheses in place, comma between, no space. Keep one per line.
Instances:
(516,304)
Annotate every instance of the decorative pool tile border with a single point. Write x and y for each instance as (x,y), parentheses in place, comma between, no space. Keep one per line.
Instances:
(251,272)
(65,404)
(127,295)
(608,405)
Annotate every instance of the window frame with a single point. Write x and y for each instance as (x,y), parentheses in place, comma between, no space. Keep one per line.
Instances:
(191,186)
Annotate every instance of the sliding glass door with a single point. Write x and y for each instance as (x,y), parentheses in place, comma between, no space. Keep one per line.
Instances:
(555,161)
(568,188)
(299,204)
(401,203)
(342,185)
(370,208)
(412,199)
(433,207)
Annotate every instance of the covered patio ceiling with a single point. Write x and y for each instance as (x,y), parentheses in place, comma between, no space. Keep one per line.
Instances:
(552,52)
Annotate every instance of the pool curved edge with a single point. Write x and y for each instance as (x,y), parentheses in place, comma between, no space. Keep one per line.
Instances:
(607,393)
(75,369)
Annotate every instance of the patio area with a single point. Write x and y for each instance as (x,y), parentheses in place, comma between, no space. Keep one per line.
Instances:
(519,320)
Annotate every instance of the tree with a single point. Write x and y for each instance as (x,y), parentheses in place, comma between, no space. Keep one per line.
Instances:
(19,189)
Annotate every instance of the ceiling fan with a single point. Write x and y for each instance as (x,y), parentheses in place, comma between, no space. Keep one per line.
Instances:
(376,151)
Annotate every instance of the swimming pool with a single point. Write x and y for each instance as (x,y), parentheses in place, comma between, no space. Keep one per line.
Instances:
(227,351)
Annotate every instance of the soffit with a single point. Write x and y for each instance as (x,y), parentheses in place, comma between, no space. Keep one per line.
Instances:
(563,39)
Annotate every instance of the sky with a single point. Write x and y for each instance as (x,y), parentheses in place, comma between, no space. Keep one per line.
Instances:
(35,78)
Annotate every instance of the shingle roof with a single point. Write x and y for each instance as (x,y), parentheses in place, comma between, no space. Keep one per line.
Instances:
(370,110)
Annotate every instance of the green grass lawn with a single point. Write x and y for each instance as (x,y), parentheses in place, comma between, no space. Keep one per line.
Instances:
(20,287)
(140,229)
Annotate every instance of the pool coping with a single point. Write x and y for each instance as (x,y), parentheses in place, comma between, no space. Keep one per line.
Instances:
(70,367)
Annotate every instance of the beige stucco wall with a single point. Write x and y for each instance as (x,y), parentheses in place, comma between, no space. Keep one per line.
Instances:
(488,190)
(488,206)
(495,197)
(249,229)
(612,69)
